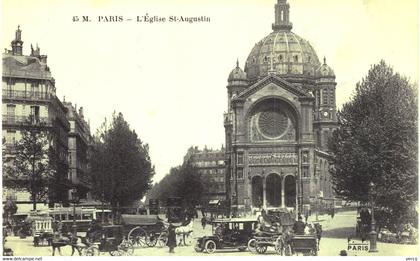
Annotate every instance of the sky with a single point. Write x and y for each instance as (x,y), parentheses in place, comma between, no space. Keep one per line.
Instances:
(169,79)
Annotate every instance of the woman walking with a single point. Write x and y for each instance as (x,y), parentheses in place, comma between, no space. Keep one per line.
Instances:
(171,238)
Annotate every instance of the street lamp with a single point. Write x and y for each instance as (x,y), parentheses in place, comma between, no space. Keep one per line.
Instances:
(74,198)
(373,230)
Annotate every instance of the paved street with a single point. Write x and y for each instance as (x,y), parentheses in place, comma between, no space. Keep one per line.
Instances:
(335,234)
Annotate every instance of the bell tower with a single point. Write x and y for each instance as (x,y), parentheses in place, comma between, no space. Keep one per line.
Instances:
(281,14)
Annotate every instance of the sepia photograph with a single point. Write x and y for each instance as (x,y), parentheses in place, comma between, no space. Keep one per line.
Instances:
(236,128)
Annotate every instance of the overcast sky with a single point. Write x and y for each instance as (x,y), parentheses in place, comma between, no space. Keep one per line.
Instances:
(169,79)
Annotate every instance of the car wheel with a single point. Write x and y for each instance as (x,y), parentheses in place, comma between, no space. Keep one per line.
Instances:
(252,245)
(210,246)
(198,248)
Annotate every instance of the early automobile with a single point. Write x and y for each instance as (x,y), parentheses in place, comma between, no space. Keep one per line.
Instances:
(227,233)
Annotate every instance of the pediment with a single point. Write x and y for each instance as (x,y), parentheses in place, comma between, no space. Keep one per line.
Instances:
(274,82)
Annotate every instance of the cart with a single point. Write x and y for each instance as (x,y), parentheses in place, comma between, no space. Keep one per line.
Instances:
(305,244)
(281,221)
(41,229)
(261,241)
(145,230)
(111,240)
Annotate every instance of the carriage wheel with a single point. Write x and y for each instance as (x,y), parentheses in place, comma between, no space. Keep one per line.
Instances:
(162,239)
(151,239)
(91,251)
(252,245)
(189,239)
(210,246)
(261,249)
(126,248)
(287,249)
(278,246)
(115,253)
(138,237)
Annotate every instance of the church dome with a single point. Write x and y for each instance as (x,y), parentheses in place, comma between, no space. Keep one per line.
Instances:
(282,51)
(237,74)
(325,71)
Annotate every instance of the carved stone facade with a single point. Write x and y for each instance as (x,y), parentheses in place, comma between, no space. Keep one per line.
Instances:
(281,112)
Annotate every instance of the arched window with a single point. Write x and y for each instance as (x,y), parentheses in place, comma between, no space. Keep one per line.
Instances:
(273,190)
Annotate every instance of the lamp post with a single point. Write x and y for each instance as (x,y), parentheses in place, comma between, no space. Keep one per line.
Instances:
(373,229)
(74,199)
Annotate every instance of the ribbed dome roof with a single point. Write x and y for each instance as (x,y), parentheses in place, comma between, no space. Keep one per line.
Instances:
(282,51)
(237,74)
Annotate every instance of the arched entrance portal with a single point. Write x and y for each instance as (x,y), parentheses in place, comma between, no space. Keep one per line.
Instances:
(290,191)
(257,191)
(273,190)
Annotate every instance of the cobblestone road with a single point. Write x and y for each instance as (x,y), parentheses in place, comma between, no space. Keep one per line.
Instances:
(335,234)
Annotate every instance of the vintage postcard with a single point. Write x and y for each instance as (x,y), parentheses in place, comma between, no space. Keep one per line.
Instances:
(210,128)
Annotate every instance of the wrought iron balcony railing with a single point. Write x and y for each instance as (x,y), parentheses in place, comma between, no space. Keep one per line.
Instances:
(24,120)
(26,95)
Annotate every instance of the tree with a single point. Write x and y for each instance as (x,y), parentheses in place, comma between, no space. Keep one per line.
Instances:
(31,169)
(182,181)
(120,164)
(377,142)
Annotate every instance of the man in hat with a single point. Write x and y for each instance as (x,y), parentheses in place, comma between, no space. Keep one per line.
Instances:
(171,238)
(299,226)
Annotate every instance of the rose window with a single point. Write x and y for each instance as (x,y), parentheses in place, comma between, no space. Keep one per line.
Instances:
(272,123)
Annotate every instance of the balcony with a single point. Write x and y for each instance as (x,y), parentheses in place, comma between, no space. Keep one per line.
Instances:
(24,120)
(26,95)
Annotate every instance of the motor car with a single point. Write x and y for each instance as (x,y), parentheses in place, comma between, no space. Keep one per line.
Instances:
(231,233)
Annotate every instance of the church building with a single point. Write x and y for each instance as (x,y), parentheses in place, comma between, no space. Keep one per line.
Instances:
(281,113)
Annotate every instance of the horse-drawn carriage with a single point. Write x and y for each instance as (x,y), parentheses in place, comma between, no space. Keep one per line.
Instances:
(145,230)
(276,230)
(104,238)
(40,227)
(112,240)
(271,230)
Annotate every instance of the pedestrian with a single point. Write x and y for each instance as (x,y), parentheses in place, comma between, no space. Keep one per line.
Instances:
(203,222)
(171,238)
(299,227)
(59,227)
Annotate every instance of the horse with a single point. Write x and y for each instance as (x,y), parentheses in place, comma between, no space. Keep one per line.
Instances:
(59,241)
(185,231)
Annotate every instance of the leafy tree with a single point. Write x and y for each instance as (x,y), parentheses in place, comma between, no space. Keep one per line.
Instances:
(120,164)
(182,181)
(31,169)
(377,142)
